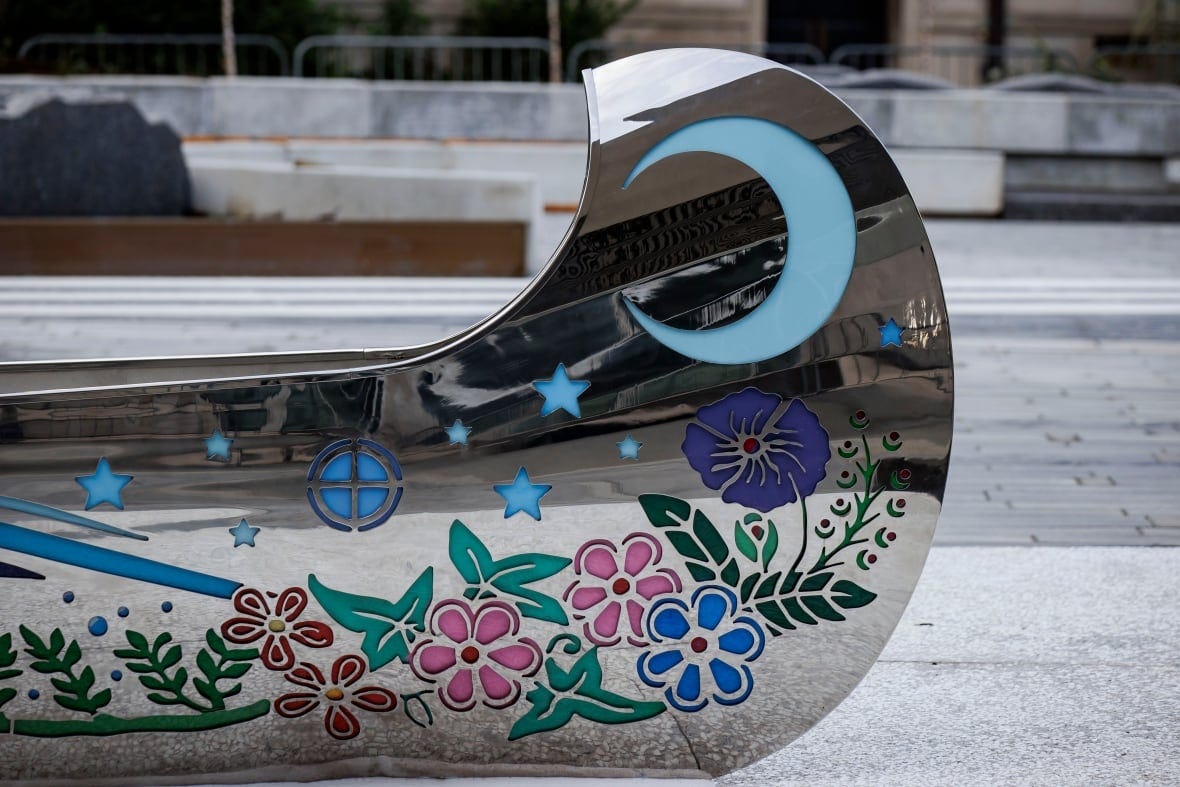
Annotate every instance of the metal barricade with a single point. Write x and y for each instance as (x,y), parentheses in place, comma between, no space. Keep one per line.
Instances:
(965,65)
(1155,63)
(193,54)
(519,59)
(581,55)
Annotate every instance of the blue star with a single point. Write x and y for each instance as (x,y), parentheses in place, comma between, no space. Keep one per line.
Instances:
(243,534)
(104,486)
(629,448)
(217,446)
(457,432)
(561,393)
(890,333)
(522,495)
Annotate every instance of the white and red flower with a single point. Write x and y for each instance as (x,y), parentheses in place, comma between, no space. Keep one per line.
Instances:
(280,625)
(338,694)
(617,578)
(475,654)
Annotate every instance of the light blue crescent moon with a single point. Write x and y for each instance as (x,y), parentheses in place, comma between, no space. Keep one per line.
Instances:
(820,247)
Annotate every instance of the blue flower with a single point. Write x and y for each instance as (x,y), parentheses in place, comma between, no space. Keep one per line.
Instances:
(700,649)
(757,449)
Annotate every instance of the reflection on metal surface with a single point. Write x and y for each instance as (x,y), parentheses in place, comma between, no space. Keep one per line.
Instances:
(659,514)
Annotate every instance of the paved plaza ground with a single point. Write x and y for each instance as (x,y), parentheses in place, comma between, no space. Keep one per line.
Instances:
(1041,646)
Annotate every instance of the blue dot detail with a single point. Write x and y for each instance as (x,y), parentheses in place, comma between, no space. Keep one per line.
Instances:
(68,597)
(166,606)
(116,675)
(34,694)
(124,612)
(97,625)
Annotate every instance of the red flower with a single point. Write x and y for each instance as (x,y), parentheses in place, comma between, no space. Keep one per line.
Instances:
(279,627)
(340,721)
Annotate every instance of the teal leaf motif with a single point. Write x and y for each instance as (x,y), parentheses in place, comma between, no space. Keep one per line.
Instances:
(508,576)
(696,539)
(389,627)
(577,691)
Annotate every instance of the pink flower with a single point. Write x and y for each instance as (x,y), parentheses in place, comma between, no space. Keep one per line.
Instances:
(604,589)
(340,721)
(473,643)
(279,626)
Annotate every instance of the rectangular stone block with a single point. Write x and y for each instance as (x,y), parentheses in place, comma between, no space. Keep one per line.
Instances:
(953,182)
(262,107)
(479,111)
(1014,122)
(1100,124)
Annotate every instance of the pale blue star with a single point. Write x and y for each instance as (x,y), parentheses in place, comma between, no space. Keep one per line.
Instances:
(522,495)
(561,393)
(629,448)
(457,432)
(217,446)
(243,534)
(104,486)
(890,333)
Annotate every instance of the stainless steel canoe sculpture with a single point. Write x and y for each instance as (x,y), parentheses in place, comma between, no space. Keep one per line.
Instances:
(659,514)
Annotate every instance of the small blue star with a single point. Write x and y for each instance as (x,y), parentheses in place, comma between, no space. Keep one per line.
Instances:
(629,448)
(890,333)
(522,495)
(217,446)
(243,534)
(104,486)
(561,393)
(457,432)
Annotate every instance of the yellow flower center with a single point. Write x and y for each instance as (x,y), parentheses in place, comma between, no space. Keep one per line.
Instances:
(277,625)
(334,694)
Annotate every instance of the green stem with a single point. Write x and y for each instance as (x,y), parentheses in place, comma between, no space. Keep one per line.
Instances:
(103,724)
(862,507)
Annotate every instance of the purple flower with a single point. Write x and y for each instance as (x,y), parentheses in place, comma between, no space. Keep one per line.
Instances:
(757,449)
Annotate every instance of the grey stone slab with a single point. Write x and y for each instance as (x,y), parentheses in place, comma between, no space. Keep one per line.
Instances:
(1081,173)
(261,107)
(1111,125)
(1010,122)
(1038,666)
(473,111)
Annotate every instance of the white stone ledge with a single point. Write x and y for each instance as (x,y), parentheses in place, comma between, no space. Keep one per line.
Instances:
(953,182)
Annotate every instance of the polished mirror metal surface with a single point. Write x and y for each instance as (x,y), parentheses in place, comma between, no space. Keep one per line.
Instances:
(657,515)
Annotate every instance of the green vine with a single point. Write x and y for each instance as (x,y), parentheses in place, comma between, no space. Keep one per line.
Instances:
(159,670)
(57,658)
(786,599)
(7,659)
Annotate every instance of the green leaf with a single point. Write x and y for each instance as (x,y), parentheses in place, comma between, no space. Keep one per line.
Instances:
(796,611)
(85,681)
(820,606)
(815,583)
(743,542)
(730,575)
(849,595)
(579,692)
(6,695)
(7,654)
(509,575)
(137,641)
(770,546)
(57,641)
(5,674)
(171,657)
(73,654)
(748,584)
(767,587)
(206,665)
(37,647)
(700,572)
(153,683)
(710,539)
(236,670)
(664,511)
(774,613)
(388,627)
(686,545)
